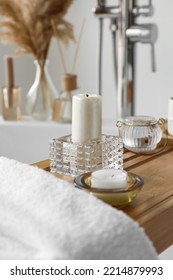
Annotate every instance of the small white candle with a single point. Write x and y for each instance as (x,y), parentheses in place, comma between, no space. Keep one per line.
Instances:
(109,179)
(86,117)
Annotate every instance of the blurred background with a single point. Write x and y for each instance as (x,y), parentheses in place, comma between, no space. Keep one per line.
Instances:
(152,89)
(29,142)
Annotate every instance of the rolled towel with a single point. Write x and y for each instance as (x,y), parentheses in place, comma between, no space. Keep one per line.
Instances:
(43,217)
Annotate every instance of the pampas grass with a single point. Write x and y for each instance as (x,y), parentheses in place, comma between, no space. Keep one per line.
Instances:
(28,24)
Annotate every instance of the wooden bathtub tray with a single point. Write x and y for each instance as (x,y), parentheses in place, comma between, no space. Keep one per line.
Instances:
(153,207)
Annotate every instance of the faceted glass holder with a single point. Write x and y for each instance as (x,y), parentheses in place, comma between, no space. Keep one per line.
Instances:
(69,158)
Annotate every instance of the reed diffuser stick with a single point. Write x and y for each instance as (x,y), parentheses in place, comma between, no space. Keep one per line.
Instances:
(77,46)
(9,78)
(62,56)
(59,46)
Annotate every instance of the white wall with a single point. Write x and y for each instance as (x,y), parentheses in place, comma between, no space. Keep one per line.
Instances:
(154,89)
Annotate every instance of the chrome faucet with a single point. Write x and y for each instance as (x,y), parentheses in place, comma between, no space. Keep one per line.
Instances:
(125,32)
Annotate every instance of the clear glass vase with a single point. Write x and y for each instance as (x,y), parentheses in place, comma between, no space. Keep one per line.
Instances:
(39,100)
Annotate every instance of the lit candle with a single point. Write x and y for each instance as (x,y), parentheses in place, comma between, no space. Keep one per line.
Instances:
(109,179)
(86,118)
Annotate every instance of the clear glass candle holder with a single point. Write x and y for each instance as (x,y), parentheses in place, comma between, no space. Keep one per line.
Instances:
(69,158)
(141,134)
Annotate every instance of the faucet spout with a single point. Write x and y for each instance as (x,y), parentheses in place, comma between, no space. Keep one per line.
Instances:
(125,62)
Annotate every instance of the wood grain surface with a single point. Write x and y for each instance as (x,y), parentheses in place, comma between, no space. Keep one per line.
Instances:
(153,207)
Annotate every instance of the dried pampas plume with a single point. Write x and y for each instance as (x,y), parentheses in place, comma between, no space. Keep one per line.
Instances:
(28,24)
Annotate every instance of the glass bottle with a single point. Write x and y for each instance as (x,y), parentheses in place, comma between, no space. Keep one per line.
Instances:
(63,105)
(66,106)
(39,100)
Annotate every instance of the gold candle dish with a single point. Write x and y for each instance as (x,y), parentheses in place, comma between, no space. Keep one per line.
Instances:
(115,197)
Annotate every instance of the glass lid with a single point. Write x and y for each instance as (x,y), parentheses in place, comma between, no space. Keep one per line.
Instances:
(139,120)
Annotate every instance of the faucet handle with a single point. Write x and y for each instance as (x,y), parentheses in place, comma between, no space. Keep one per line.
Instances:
(146,34)
(145,10)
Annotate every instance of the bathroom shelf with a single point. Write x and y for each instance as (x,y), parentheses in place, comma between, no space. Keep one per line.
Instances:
(153,208)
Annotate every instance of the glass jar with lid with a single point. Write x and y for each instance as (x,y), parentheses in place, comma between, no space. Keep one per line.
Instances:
(140,134)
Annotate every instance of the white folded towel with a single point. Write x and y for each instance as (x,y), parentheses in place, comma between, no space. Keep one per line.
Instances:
(43,217)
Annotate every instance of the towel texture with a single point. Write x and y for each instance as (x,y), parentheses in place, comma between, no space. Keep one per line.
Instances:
(43,217)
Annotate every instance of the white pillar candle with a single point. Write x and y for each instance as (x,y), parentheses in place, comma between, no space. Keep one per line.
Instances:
(170,115)
(109,179)
(86,117)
